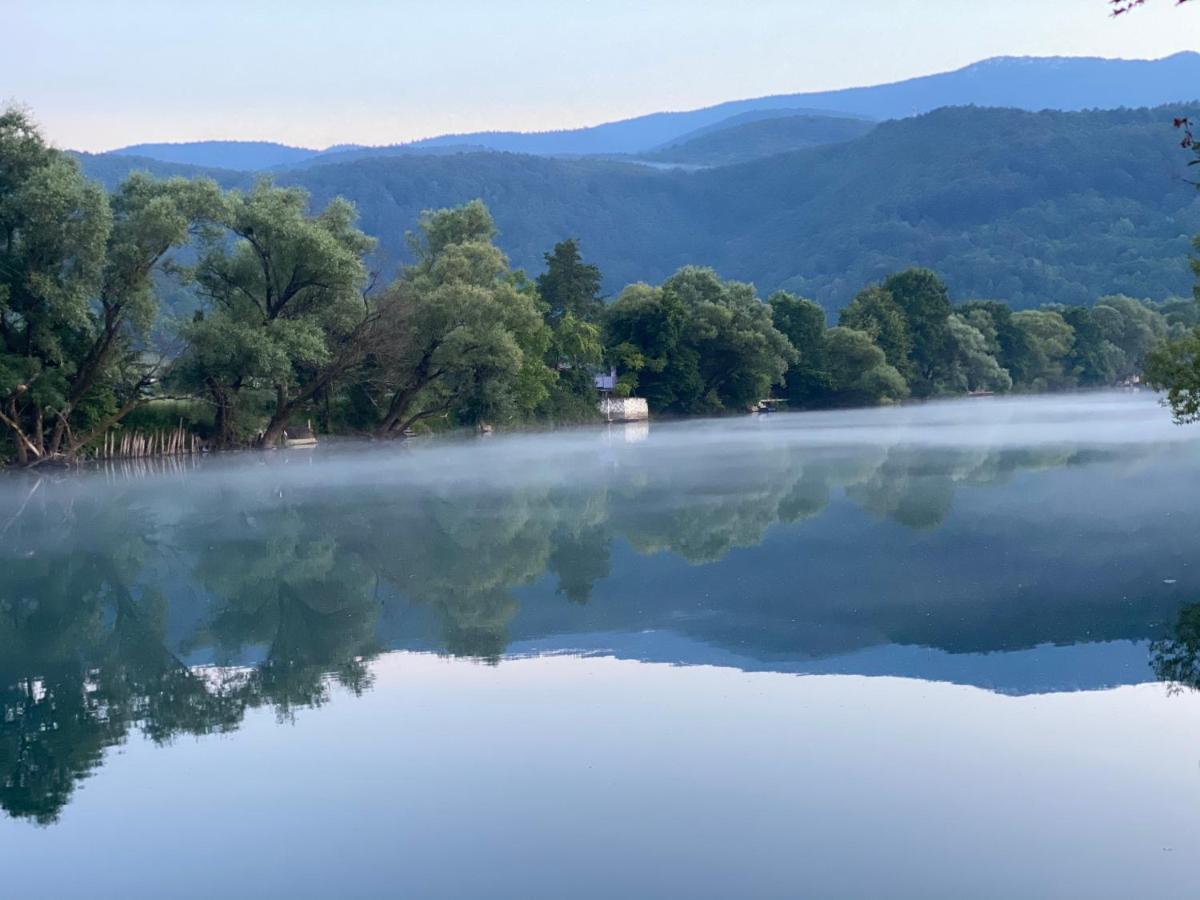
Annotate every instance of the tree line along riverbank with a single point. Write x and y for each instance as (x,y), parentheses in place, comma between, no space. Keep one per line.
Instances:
(214,318)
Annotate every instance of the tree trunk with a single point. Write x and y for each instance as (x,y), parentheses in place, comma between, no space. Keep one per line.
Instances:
(284,408)
(24,446)
(274,433)
(279,419)
(85,378)
(396,409)
(223,417)
(401,427)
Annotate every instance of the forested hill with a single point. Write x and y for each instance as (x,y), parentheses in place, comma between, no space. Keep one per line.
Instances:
(1025,207)
(111,168)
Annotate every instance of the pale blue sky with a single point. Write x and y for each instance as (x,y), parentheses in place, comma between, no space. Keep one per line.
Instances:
(104,74)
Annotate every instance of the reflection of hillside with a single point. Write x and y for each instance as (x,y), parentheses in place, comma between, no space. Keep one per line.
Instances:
(770,551)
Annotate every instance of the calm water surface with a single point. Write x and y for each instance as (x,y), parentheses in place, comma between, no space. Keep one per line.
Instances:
(940,651)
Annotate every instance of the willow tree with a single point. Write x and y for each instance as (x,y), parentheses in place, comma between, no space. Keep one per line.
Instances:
(77,296)
(802,322)
(925,303)
(696,343)
(874,310)
(859,373)
(289,312)
(458,331)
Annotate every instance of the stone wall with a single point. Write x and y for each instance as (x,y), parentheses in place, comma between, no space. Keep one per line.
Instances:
(624,409)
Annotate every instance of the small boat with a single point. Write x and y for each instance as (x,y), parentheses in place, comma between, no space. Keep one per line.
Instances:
(770,405)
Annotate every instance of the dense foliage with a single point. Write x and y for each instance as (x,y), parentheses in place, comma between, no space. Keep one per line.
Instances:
(696,344)
(77,304)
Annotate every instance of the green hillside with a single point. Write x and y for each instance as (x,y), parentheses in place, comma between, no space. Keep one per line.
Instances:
(1025,207)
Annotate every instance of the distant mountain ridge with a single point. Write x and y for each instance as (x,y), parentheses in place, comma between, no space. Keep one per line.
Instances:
(238,155)
(1029,83)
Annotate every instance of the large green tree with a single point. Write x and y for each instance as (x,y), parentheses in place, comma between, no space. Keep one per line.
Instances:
(875,311)
(570,294)
(288,312)
(802,322)
(1048,340)
(925,302)
(1006,341)
(77,293)
(569,286)
(973,367)
(697,343)
(1131,326)
(1093,360)
(859,373)
(459,332)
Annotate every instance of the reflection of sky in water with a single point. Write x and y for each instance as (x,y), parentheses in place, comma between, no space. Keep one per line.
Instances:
(1038,548)
(566,777)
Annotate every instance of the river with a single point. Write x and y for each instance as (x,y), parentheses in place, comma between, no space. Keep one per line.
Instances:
(943,650)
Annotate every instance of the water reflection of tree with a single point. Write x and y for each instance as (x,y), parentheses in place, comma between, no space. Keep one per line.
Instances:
(284,584)
(1176,659)
(285,590)
(82,654)
(579,557)
(84,651)
(463,558)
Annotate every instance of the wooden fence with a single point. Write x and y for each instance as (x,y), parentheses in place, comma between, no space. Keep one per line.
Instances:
(143,444)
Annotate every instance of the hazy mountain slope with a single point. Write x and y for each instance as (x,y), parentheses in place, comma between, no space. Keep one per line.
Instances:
(111,168)
(1025,207)
(536,201)
(759,115)
(245,155)
(343,155)
(1033,83)
(758,138)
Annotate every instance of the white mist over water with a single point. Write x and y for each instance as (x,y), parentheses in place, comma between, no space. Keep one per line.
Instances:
(692,451)
(208,686)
